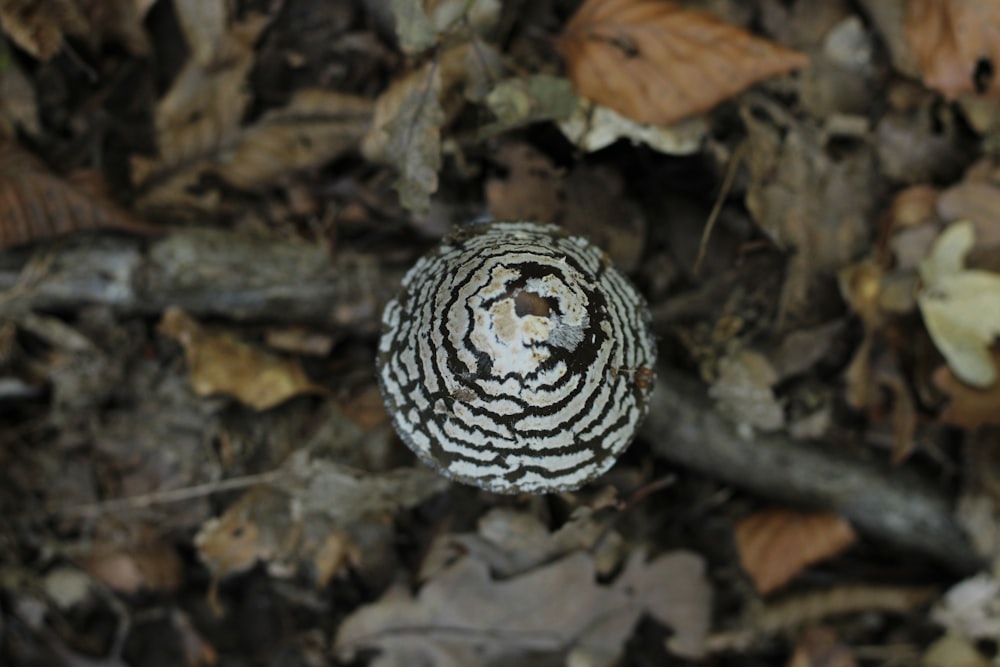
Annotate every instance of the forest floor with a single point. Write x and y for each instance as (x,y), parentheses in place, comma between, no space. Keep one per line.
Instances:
(206,204)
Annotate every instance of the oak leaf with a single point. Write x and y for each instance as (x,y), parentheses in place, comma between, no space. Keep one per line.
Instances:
(463,616)
(775,545)
(657,62)
(956,44)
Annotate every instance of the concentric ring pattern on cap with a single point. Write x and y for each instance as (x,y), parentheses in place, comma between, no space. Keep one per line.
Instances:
(516,358)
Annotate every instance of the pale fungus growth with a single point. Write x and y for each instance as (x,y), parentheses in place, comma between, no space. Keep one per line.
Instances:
(516,358)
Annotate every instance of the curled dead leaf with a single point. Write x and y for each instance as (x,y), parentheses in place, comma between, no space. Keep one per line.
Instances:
(657,62)
(776,545)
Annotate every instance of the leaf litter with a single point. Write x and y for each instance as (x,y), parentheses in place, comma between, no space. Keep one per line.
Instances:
(834,305)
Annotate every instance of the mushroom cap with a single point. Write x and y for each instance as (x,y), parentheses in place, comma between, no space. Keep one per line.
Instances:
(516,358)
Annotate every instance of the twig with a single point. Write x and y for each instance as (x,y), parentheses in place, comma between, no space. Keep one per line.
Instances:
(727,184)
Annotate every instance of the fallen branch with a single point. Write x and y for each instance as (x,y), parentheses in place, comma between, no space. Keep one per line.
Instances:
(890,504)
(208,273)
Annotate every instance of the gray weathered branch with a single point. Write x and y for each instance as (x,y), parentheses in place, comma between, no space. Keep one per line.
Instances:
(205,272)
(891,504)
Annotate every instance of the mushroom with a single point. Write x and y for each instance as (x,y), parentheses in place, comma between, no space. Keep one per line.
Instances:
(516,358)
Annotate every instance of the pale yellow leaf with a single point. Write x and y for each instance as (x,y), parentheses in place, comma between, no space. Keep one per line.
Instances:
(961,307)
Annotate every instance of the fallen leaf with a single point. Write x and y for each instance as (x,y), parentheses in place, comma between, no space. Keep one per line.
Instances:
(300,340)
(953,651)
(968,407)
(116,21)
(414,144)
(38,26)
(221,363)
(406,128)
(36,204)
(151,565)
(814,202)
(413,28)
(305,515)
(523,100)
(260,526)
(819,646)
(313,128)
(204,24)
(776,545)
(956,44)
(593,127)
(512,542)
(959,306)
(201,112)
(743,390)
(18,102)
(464,618)
(657,62)
(532,187)
(971,608)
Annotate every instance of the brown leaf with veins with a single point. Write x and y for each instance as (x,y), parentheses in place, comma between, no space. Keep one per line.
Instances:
(37,204)
(657,62)
(956,44)
(776,545)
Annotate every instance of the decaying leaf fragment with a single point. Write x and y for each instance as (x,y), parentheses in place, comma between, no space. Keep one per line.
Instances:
(959,306)
(36,204)
(306,515)
(658,62)
(465,618)
(969,407)
(38,26)
(413,28)
(221,363)
(956,44)
(406,127)
(775,545)
(313,128)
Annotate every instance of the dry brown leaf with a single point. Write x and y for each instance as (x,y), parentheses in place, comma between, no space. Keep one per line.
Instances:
(316,126)
(657,62)
(776,545)
(152,565)
(809,199)
(532,188)
(36,204)
(465,618)
(38,26)
(820,646)
(257,527)
(956,44)
(118,21)
(201,112)
(18,102)
(307,517)
(221,363)
(969,407)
